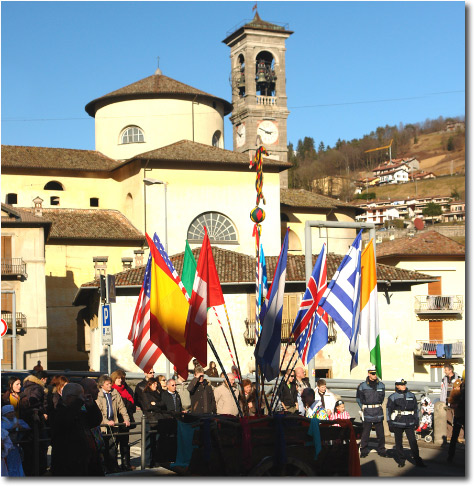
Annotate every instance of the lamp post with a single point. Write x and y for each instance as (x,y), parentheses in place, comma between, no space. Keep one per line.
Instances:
(148,181)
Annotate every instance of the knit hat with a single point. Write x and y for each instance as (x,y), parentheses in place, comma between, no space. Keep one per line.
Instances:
(7,409)
(400,381)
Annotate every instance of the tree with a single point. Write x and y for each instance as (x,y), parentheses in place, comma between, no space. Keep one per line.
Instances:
(432,210)
(455,194)
(450,144)
(321,147)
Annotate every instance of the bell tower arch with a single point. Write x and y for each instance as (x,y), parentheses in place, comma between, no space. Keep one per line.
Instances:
(258,81)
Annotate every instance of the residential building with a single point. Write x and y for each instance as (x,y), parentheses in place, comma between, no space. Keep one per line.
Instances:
(437,307)
(456,212)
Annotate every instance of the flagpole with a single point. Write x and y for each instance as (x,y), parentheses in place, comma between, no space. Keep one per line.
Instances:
(233,342)
(225,374)
(225,338)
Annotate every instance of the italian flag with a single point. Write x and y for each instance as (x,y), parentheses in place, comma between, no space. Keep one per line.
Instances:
(206,293)
(369,310)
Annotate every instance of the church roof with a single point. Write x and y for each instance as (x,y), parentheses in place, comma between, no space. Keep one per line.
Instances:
(301,198)
(188,151)
(22,157)
(256,24)
(89,224)
(155,86)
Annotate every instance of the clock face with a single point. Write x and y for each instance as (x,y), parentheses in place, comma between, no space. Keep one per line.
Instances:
(240,135)
(268,132)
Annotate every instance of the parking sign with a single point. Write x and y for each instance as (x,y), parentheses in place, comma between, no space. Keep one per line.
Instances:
(106,324)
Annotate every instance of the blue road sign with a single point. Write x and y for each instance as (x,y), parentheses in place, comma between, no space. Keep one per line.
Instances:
(106,324)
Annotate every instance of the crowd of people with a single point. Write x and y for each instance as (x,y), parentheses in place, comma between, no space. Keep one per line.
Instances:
(88,423)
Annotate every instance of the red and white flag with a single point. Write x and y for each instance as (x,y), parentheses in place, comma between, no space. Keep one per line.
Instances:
(207,293)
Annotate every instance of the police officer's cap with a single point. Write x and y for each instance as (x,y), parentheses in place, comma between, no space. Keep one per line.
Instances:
(400,381)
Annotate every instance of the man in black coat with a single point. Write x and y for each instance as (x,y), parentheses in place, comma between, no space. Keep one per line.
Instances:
(169,427)
(202,395)
(74,451)
(171,398)
(137,396)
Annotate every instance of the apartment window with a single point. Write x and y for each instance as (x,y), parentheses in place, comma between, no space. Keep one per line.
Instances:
(94,202)
(132,135)
(11,198)
(219,228)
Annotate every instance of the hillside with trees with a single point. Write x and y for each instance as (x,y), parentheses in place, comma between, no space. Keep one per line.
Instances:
(332,170)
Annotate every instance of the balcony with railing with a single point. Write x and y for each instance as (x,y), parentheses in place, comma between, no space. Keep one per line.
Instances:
(15,267)
(440,349)
(286,326)
(439,306)
(20,320)
(266,100)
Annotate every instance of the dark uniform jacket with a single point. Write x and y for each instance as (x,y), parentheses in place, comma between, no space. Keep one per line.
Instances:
(202,397)
(371,393)
(137,396)
(402,410)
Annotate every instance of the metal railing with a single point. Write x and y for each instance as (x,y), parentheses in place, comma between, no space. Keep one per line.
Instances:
(439,349)
(13,266)
(425,304)
(20,319)
(286,326)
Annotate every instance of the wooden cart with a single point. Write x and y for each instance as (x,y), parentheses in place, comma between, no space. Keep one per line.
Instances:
(276,445)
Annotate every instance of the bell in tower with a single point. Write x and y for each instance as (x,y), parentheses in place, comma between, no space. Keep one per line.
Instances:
(265,74)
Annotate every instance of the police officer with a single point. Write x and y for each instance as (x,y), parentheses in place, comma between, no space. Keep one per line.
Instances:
(370,396)
(402,415)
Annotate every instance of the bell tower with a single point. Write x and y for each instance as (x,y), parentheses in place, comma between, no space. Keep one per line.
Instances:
(258,81)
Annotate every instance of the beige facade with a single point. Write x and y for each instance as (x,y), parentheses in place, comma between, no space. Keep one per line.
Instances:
(162,121)
(27,245)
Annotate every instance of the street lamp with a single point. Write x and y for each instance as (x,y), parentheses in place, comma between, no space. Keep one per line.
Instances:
(148,181)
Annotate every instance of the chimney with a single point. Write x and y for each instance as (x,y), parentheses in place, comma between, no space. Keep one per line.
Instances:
(38,202)
(100,265)
(127,263)
(139,257)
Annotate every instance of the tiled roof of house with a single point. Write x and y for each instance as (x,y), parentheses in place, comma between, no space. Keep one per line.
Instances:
(18,215)
(424,243)
(233,267)
(90,224)
(304,199)
(188,151)
(22,157)
(154,86)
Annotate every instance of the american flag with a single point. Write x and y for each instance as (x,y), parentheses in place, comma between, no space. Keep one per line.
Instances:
(145,352)
(311,323)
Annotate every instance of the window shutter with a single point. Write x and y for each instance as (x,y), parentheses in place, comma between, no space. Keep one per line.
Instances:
(293,306)
(251,311)
(285,307)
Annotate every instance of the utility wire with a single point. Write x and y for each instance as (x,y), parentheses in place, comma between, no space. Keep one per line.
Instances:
(200,114)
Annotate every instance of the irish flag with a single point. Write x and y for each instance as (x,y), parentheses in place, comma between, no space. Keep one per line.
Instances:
(369,310)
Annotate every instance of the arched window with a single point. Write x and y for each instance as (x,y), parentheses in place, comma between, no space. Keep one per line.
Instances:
(216,138)
(53,186)
(219,228)
(132,135)
(11,198)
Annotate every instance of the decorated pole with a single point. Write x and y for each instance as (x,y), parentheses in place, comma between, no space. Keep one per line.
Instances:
(225,338)
(257,215)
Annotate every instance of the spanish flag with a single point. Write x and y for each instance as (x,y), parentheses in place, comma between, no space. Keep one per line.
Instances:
(169,305)
(369,310)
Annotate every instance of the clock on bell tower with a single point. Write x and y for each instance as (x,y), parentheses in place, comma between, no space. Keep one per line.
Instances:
(258,81)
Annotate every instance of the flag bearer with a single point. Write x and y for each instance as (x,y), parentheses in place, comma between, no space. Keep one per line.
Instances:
(402,415)
(370,396)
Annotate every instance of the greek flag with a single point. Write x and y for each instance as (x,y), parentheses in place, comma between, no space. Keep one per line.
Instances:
(342,297)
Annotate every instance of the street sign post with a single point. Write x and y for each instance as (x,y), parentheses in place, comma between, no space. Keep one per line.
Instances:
(106,325)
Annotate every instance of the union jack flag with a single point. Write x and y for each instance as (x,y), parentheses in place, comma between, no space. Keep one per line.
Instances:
(310,329)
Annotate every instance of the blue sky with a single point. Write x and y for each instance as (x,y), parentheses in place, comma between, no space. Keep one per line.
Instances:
(343,59)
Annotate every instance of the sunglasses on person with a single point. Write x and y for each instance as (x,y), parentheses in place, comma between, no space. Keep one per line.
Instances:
(372,372)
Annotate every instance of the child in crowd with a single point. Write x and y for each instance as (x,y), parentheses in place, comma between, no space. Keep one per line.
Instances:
(340,411)
(427,409)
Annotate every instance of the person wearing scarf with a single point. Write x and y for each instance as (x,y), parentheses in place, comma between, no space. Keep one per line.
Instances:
(118,382)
